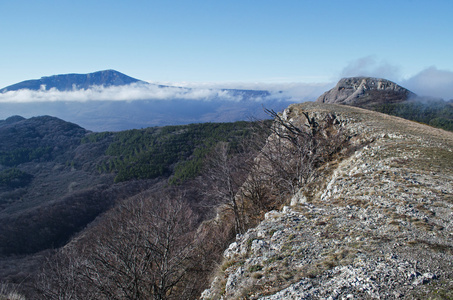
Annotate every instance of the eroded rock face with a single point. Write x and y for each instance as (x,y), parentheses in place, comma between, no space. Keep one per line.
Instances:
(365,92)
(379,227)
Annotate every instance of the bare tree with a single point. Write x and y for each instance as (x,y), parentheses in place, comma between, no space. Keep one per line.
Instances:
(142,250)
(222,179)
(150,252)
(60,278)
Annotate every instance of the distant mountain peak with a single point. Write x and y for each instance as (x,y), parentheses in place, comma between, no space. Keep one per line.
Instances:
(67,82)
(365,92)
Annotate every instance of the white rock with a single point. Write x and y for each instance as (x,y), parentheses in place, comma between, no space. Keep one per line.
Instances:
(233,279)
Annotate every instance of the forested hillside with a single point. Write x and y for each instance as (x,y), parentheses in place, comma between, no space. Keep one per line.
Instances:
(163,151)
(57,178)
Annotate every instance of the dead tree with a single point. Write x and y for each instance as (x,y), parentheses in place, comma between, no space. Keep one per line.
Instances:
(149,253)
(223,177)
(294,152)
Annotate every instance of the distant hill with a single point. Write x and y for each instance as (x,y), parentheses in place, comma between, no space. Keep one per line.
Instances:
(166,105)
(44,131)
(67,82)
(10,120)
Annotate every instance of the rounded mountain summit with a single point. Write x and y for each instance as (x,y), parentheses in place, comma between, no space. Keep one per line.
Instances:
(67,82)
(365,92)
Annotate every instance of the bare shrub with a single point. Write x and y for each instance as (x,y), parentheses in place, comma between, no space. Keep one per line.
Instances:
(294,152)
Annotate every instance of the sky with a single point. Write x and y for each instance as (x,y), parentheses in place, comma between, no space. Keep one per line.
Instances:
(303,45)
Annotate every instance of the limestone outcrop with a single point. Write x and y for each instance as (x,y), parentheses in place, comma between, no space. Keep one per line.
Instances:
(365,92)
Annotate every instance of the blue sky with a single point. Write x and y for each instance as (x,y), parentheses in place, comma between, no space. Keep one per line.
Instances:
(229,42)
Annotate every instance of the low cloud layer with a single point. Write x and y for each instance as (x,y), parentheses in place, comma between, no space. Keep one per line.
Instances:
(292,90)
(114,93)
(185,91)
(370,66)
(431,82)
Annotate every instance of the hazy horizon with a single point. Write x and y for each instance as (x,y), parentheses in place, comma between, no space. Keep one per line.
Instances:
(301,47)
(430,82)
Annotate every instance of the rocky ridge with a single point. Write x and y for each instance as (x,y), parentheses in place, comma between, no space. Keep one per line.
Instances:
(365,92)
(377,226)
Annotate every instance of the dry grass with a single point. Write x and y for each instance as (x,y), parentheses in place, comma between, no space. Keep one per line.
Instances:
(385,203)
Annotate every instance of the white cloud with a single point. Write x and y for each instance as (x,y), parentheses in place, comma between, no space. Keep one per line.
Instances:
(431,82)
(114,93)
(370,66)
(288,90)
(186,91)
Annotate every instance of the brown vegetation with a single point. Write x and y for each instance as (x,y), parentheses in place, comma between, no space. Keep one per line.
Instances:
(165,243)
(143,249)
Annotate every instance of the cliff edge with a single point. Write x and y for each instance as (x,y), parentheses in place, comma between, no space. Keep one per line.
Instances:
(378,226)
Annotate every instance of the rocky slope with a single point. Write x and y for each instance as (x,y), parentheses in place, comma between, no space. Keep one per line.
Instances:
(378,225)
(365,91)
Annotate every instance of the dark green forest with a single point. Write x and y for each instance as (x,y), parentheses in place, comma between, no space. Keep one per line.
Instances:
(436,113)
(163,151)
(14,178)
(23,155)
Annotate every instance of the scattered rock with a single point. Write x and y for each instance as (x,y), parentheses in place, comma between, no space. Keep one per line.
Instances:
(378,227)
